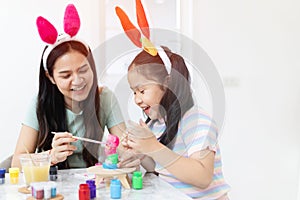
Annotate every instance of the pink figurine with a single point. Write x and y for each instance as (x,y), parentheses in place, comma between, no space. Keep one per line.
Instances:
(111,144)
(111,152)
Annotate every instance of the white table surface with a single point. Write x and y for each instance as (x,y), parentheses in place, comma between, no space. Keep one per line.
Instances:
(68,185)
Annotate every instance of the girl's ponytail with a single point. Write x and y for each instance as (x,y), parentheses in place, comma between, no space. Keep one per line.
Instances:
(178,97)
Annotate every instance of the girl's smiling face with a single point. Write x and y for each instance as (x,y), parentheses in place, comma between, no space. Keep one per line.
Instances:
(147,93)
(73,76)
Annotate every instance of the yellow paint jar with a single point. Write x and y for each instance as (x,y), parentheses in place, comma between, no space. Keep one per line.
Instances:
(14,175)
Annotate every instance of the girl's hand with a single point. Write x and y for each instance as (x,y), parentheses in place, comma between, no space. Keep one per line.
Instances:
(130,159)
(141,139)
(124,140)
(61,147)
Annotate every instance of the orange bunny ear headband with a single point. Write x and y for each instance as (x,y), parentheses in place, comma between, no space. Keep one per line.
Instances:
(135,35)
(48,32)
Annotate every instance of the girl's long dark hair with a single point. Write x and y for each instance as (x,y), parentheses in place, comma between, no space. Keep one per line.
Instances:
(51,111)
(178,96)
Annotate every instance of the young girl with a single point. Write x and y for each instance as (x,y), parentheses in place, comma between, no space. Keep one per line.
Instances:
(179,140)
(69,101)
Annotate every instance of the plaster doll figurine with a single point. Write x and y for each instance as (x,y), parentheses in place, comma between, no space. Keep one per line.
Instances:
(111,152)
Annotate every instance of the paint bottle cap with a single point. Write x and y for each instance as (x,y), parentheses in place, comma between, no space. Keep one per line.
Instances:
(14,170)
(90,182)
(53,170)
(52,184)
(2,170)
(84,192)
(115,182)
(137,173)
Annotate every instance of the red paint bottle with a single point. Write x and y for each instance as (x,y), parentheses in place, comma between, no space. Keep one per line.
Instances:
(84,192)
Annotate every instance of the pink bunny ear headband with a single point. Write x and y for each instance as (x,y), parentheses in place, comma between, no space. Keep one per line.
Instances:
(48,32)
(135,35)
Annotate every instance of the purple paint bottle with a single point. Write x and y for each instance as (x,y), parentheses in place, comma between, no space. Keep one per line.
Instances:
(92,187)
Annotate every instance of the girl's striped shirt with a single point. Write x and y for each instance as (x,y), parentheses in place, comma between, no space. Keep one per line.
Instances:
(196,132)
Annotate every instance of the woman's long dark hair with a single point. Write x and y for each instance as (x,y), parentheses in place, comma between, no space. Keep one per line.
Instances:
(51,111)
(178,96)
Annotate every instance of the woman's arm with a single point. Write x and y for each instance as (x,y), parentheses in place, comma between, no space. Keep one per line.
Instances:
(61,147)
(27,139)
(119,131)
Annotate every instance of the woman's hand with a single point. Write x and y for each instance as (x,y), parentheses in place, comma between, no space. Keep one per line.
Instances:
(141,139)
(61,147)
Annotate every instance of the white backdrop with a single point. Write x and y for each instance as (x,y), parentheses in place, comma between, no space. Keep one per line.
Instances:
(254,45)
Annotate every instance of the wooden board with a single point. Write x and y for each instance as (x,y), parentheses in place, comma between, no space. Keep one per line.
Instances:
(58,197)
(99,170)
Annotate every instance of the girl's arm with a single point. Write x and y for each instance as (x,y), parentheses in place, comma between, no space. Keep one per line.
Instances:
(196,170)
(148,163)
(27,139)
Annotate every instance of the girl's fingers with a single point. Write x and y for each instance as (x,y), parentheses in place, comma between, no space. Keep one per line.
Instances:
(142,123)
(130,163)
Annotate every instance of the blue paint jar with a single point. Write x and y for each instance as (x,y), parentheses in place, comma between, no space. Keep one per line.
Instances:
(115,189)
(2,175)
(53,189)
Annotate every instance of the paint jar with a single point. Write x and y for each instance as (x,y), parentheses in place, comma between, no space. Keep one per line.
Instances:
(47,191)
(115,189)
(2,175)
(53,173)
(84,192)
(39,191)
(137,180)
(92,187)
(32,186)
(53,188)
(14,175)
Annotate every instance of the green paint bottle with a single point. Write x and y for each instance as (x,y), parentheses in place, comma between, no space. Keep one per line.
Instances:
(137,180)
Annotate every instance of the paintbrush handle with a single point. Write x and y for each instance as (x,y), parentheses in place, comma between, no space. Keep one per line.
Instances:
(85,139)
(88,140)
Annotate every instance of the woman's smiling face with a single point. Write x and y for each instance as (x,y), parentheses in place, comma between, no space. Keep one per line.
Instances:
(73,76)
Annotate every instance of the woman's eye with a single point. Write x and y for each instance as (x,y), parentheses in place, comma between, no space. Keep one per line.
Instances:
(83,71)
(142,91)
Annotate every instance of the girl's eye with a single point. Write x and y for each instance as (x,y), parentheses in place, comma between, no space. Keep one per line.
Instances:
(142,91)
(66,76)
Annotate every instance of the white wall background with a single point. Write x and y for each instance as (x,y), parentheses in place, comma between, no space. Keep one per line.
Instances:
(254,45)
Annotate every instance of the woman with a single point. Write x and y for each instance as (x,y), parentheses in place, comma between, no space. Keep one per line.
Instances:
(69,102)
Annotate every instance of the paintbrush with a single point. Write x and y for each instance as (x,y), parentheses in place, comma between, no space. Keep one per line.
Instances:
(32,159)
(85,139)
